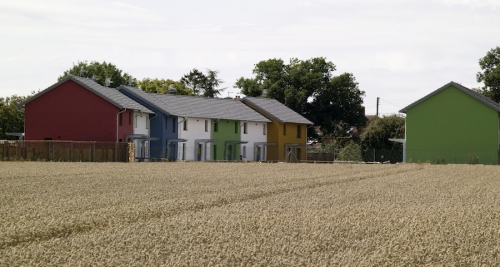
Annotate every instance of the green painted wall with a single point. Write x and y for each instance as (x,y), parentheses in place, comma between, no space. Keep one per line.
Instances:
(451,126)
(226,132)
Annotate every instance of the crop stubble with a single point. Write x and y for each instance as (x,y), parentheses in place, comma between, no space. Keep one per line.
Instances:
(209,214)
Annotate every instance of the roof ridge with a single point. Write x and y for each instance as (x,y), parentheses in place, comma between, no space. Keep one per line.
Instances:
(478,96)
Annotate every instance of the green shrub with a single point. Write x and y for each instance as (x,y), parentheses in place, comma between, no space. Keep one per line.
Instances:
(350,152)
(473,159)
(439,160)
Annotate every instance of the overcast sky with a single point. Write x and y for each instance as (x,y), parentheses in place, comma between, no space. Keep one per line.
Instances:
(397,50)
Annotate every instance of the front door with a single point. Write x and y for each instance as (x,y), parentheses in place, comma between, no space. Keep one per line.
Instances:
(198,152)
(229,152)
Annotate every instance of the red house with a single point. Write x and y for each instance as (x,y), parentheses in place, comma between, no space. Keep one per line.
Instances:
(80,109)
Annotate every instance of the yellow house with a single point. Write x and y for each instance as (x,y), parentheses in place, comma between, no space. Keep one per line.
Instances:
(287,131)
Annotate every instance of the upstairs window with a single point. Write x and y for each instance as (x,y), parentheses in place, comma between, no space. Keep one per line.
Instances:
(284,129)
(120,119)
(216,126)
(264,130)
(185,125)
(245,128)
(298,131)
(236,126)
(206,125)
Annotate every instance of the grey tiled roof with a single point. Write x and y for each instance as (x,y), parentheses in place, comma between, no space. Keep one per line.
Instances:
(274,109)
(213,108)
(485,100)
(197,107)
(146,97)
(111,95)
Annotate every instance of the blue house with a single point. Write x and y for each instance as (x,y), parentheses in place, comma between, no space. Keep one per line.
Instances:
(162,125)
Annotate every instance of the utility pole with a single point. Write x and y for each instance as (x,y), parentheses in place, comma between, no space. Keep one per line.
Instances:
(378,100)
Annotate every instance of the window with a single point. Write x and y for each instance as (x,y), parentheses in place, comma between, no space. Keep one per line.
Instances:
(245,128)
(298,131)
(284,129)
(206,125)
(185,125)
(236,126)
(244,151)
(120,119)
(264,129)
(147,123)
(216,126)
(135,121)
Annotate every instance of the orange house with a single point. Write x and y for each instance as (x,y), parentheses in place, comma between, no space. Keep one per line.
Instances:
(287,131)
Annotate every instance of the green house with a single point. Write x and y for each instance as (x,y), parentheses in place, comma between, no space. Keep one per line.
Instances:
(452,125)
(227,132)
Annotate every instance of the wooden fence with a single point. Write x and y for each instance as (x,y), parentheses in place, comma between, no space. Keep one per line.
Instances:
(321,157)
(64,151)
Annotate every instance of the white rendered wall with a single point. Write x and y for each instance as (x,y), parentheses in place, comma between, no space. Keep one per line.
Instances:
(141,126)
(195,130)
(254,134)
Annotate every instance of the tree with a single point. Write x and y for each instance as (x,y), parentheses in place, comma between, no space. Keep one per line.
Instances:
(11,118)
(105,74)
(270,80)
(309,88)
(490,65)
(377,133)
(337,107)
(211,84)
(162,86)
(201,84)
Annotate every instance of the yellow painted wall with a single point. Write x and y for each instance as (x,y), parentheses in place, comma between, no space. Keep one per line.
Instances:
(275,134)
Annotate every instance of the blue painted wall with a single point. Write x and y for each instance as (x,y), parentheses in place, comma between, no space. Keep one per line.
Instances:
(162,127)
(170,132)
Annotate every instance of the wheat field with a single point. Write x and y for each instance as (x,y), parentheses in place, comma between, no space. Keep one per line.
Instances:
(248,214)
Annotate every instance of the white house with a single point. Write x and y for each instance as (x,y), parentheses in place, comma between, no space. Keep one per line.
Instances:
(141,135)
(197,135)
(252,132)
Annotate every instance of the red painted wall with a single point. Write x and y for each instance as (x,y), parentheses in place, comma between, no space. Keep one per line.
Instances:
(71,112)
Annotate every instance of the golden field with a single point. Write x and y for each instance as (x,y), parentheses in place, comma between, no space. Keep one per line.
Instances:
(248,214)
